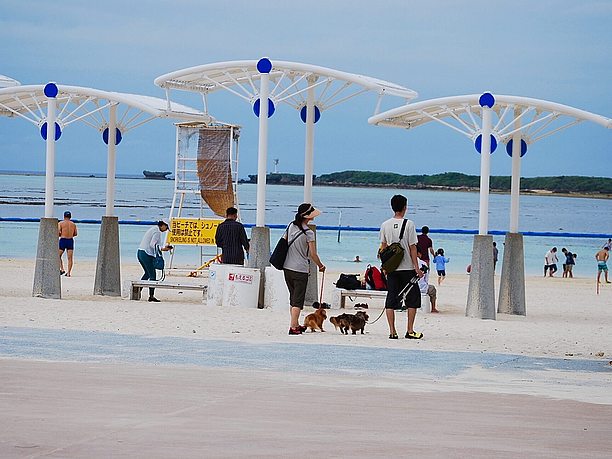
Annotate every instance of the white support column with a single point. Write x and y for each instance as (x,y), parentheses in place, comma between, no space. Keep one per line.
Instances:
(111,164)
(309,150)
(50,157)
(515,188)
(485,171)
(262,154)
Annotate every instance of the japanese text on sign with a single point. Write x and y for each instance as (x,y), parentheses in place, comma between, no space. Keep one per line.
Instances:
(193,231)
(237,277)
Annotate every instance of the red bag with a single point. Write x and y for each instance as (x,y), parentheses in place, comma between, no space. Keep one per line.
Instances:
(375,279)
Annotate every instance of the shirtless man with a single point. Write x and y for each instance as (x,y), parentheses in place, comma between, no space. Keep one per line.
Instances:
(602,257)
(67,232)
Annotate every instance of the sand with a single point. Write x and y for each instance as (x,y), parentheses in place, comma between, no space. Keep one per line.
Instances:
(565,317)
(92,376)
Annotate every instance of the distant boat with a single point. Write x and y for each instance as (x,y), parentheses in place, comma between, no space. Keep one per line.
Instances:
(156,175)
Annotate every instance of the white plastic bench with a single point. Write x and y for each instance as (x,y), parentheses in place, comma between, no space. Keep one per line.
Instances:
(381,294)
(136,287)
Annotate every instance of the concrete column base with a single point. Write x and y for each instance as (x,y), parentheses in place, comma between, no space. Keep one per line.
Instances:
(108,264)
(481,292)
(512,286)
(259,256)
(312,289)
(47,281)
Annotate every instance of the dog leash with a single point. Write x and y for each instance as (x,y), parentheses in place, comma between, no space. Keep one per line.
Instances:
(403,294)
(322,284)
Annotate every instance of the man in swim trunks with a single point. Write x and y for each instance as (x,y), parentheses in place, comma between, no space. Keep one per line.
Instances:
(67,232)
(602,257)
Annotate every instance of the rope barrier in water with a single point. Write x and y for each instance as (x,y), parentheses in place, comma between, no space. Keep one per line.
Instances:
(347,228)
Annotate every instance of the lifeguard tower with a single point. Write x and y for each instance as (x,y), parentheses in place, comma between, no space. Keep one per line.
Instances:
(205,185)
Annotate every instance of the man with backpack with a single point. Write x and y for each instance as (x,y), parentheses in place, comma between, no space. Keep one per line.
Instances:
(402,231)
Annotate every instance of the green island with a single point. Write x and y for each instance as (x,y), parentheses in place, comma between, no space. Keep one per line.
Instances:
(565,185)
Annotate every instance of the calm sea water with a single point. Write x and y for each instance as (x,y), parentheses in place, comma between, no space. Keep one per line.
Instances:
(139,199)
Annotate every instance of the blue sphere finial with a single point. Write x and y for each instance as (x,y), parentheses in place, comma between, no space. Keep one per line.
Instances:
(487,100)
(51,90)
(264,65)
(523,148)
(478,143)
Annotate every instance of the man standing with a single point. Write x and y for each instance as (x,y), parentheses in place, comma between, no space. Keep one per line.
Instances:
(408,270)
(602,258)
(550,262)
(495,255)
(231,238)
(425,245)
(67,231)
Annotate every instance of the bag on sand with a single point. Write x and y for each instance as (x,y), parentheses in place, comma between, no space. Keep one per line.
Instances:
(348,282)
(392,255)
(375,280)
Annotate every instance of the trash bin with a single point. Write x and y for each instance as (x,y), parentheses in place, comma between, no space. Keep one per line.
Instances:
(216,278)
(240,287)
(276,293)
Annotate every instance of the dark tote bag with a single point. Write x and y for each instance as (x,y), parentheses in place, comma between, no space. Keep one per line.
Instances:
(279,255)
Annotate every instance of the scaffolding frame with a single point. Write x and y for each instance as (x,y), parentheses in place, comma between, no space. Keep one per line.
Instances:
(187,189)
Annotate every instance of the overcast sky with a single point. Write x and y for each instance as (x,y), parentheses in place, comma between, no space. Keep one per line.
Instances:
(557,50)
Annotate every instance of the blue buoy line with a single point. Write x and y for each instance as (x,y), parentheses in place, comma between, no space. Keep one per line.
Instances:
(347,228)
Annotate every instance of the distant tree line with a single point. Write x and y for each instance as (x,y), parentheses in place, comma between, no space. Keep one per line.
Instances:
(447,180)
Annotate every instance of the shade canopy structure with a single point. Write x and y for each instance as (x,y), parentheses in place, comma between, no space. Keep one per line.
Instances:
(488,120)
(290,82)
(6,82)
(539,118)
(310,89)
(88,105)
(113,114)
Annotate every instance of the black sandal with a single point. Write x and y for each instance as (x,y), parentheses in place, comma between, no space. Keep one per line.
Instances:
(393,336)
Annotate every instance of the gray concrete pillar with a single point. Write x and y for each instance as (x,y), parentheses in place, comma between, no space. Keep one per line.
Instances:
(108,264)
(47,281)
(481,292)
(312,289)
(512,286)
(259,256)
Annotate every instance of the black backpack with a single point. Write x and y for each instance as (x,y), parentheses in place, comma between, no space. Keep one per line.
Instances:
(348,282)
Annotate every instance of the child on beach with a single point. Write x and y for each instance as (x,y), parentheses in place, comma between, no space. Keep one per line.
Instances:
(440,260)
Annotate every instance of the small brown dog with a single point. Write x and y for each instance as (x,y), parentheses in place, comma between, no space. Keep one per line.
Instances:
(358,321)
(342,322)
(315,320)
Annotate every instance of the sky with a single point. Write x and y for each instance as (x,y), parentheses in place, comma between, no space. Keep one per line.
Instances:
(556,50)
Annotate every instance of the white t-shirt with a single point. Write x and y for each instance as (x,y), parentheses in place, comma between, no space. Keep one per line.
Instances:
(551,258)
(390,233)
(151,239)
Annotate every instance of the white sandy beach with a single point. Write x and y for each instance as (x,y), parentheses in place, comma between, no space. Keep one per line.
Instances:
(565,317)
(87,406)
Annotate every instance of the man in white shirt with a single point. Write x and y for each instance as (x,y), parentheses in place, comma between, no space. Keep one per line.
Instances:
(550,262)
(147,249)
(395,230)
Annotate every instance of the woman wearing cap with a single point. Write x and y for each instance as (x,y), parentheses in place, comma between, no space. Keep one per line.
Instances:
(297,263)
(146,253)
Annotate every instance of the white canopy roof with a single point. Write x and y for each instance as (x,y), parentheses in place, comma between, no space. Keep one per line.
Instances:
(6,82)
(539,118)
(88,105)
(289,82)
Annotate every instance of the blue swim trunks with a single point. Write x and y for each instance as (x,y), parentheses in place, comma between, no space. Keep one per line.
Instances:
(602,266)
(66,243)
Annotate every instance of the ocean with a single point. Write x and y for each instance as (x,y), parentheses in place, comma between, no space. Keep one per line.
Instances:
(22,196)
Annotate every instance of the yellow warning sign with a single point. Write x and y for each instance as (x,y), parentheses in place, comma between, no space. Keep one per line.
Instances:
(192,231)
